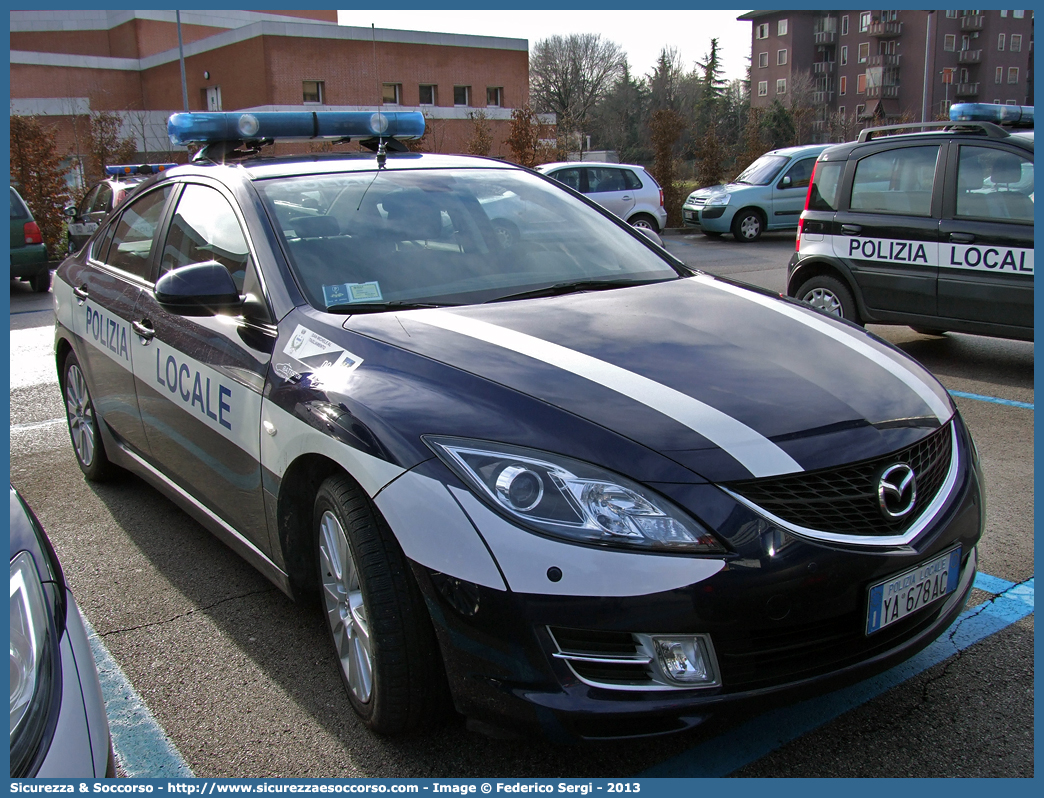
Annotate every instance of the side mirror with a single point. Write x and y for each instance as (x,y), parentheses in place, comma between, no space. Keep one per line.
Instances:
(70,211)
(785,182)
(651,235)
(199,289)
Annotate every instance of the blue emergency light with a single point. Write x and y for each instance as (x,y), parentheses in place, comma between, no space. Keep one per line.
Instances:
(208,128)
(138,169)
(1011,115)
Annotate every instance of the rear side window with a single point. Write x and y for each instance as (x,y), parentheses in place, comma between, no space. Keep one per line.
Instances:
(825,185)
(18,209)
(631,180)
(994,184)
(131,247)
(898,181)
(601,180)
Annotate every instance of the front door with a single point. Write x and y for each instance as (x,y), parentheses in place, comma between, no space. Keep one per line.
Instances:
(789,193)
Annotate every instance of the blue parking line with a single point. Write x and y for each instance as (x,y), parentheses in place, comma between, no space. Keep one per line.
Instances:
(761,736)
(995,399)
(143,749)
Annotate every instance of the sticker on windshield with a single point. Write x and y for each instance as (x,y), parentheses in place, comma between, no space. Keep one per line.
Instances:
(349,293)
(316,352)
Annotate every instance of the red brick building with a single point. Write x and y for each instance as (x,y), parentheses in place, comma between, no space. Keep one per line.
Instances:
(65,64)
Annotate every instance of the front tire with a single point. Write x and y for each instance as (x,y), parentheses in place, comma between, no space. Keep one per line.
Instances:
(829,295)
(83,423)
(748,226)
(386,648)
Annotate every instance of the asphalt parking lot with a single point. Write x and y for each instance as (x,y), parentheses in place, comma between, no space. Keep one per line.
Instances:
(212,671)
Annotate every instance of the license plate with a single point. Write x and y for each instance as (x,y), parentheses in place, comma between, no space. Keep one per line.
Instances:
(904,594)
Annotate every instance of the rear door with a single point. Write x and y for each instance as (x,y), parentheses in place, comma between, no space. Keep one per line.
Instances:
(986,245)
(608,187)
(200,378)
(887,232)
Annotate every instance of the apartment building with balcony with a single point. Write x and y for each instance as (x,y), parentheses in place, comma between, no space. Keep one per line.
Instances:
(66,64)
(859,68)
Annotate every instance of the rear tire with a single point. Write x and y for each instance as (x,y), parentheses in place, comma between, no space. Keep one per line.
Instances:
(829,295)
(644,221)
(387,653)
(41,282)
(83,423)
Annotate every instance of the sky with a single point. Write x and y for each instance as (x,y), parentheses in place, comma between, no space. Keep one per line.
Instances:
(641,33)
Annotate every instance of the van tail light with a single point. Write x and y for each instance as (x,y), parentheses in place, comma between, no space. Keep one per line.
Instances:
(32,233)
(661,197)
(811,182)
(801,225)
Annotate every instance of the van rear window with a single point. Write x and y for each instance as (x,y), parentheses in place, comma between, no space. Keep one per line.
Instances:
(825,184)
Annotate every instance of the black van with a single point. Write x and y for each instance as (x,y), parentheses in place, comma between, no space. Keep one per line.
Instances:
(932,229)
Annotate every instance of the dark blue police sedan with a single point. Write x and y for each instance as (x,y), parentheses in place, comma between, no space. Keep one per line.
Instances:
(562,480)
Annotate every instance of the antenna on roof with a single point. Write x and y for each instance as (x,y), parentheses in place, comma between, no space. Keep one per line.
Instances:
(381,156)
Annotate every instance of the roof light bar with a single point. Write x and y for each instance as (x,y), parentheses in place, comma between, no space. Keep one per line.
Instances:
(207,128)
(1012,115)
(138,168)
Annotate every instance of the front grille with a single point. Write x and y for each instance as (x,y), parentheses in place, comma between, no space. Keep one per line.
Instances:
(844,500)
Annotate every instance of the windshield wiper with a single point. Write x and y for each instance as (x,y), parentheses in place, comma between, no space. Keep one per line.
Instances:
(380,307)
(572,286)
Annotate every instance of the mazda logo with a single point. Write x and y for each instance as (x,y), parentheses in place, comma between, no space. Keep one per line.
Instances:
(897,491)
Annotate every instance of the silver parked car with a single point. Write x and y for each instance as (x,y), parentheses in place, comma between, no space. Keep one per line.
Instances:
(625,189)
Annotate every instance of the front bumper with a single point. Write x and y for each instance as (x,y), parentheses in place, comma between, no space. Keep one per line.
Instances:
(714,218)
(786,621)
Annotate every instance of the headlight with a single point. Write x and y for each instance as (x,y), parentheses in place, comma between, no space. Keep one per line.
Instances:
(719,199)
(572,500)
(33,662)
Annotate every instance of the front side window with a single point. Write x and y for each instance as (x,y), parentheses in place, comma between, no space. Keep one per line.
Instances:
(447,237)
(87,203)
(800,173)
(462,95)
(313,91)
(898,181)
(103,199)
(131,248)
(994,184)
(428,94)
(568,177)
(205,228)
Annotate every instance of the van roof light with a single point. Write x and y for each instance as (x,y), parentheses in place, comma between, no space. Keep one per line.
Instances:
(1011,115)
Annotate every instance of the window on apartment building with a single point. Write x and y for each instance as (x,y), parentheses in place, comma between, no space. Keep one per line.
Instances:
(781,86)
(861,84)
(763,31)
(462,95)
(844,54)
(1015,44)
(313,91)
(841,113)
(762,60)
(950,42)
(998,76)
(1000,41)
(844,25)
(952,13)
(889,16)
(1009,102)
(1003,14)
(392,94)
(781,57)
(212,98)
(843,85)
(781,28)
(1013,74)
(864,52)
(1018,14)
(495,96)
(762,88)
(429,94)
(864,21)
(964,76)
(859,111)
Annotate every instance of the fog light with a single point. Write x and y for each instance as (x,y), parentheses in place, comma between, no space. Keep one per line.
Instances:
(685,660)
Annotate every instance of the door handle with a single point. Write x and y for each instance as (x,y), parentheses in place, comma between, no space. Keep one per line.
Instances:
(81,294)
(625,197)
(851,229)
(144,331)
(962,238)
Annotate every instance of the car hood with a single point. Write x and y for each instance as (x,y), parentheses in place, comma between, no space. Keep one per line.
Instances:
(729,188)
(729,382)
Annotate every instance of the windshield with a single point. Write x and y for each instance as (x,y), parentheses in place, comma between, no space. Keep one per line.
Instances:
(762,171)
(360,241)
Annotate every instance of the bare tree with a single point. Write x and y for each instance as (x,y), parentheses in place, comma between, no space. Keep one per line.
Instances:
(802,106)
(481,141)
(568,75)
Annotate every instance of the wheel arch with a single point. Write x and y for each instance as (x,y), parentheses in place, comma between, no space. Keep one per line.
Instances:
(814,267)
(62,349)
(641,214)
